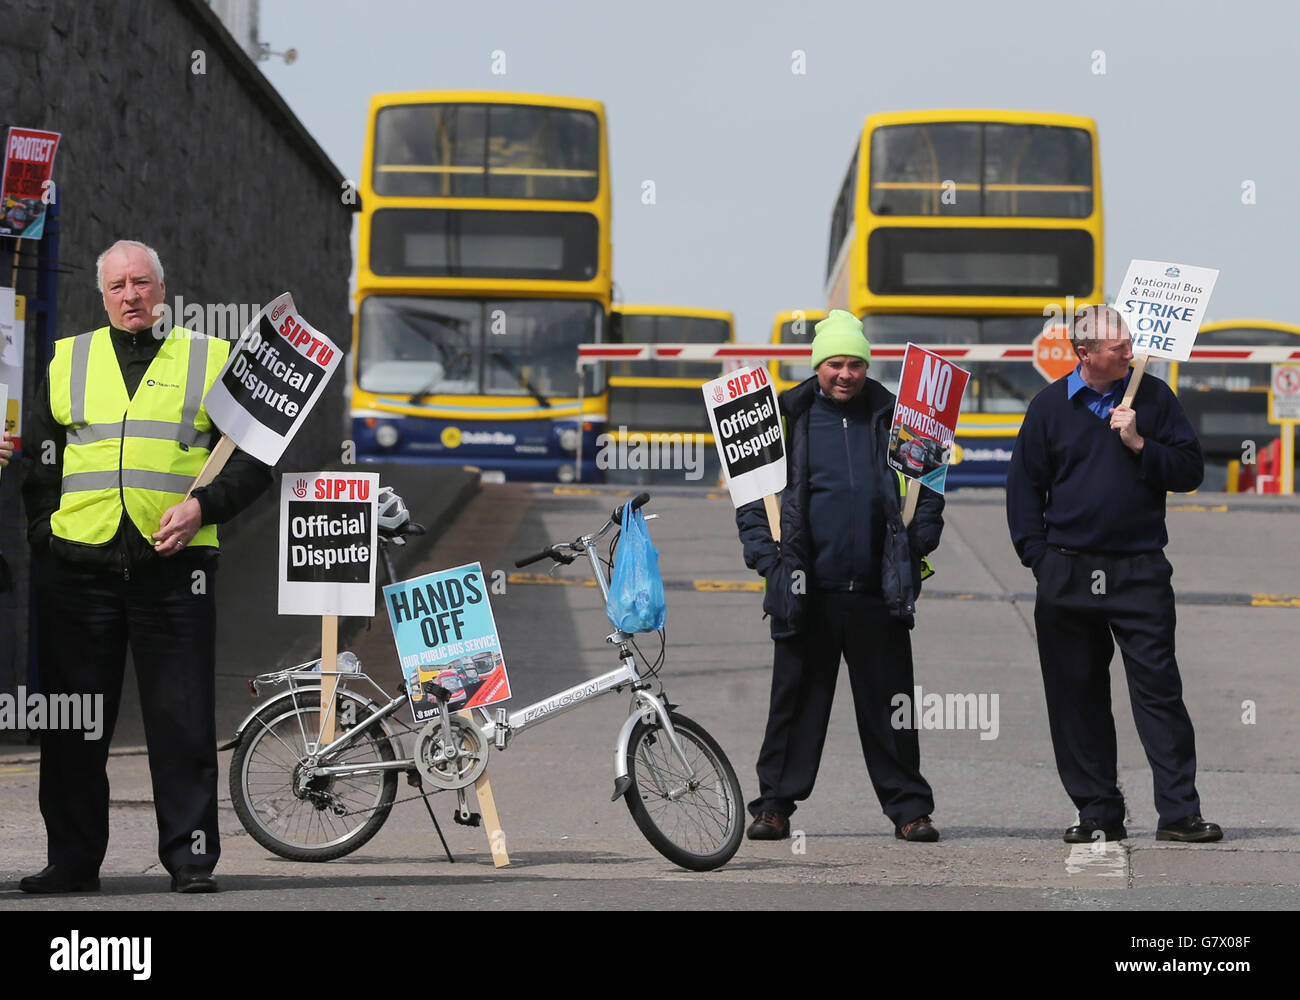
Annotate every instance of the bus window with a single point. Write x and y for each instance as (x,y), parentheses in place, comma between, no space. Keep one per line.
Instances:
(486,151)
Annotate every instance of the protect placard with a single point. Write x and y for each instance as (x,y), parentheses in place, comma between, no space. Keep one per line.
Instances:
(925,416)
(271,380)
(746,424)
(446,635)
(327,543)
(1164,305)
(27,186)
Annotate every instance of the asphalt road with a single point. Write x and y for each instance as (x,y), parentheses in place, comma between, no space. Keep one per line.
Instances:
(1000,806)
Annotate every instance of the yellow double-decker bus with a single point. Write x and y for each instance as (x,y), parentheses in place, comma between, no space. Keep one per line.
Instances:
(969,227)
(484,259)
(656,405)
(792,328)
(1227,403)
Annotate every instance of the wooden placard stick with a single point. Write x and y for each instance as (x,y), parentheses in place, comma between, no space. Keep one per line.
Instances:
(329,658)
(487,807)
(217,460)
(909,505)
(773,515)
(1138,368)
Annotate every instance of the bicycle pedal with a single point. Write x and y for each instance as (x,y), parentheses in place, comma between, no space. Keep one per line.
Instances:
(474,819)
(413,779)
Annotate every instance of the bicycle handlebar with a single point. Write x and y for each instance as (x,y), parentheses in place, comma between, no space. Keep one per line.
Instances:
(640,501)
(529,560)
(553,551)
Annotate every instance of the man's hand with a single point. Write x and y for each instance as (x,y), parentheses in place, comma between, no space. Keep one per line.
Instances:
(1124,420)
(6,449)
(178,526)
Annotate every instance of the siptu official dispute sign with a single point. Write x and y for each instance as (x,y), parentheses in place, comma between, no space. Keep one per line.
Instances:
(925,416)
(327,543)
(271,380)
(747,431)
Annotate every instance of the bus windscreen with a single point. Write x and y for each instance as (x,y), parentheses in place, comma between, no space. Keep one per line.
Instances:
(981,169)
(486,151)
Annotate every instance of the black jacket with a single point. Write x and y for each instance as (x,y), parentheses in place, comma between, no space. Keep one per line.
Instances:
(900,570)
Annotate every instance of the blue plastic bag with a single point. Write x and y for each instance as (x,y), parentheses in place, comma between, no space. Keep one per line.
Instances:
(636,590)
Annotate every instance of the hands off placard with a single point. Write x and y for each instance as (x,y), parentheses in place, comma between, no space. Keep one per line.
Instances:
(446,634)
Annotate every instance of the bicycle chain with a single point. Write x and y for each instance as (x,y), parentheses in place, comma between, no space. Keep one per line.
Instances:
(395,802)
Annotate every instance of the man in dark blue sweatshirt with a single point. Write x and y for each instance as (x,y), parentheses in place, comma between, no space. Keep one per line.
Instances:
(842,581)
(1086,508)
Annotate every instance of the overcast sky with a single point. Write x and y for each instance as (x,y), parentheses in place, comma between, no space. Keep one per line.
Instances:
(746,156)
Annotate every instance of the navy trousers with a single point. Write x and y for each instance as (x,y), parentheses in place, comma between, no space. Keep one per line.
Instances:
(878,651)
(1083,600)
(89,619)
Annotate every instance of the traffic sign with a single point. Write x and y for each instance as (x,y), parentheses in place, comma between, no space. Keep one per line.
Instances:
(1053,353)
(1284,394)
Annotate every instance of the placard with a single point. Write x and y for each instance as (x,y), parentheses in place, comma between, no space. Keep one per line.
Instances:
(445,634)
(1164,305)
(746,424)
(327,543)
(12,314)
(27,187)
(4,398)
(925,416)
(271,380)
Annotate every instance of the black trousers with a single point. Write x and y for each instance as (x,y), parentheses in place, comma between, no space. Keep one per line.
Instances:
(1083,600)
(90,617)
(805,668)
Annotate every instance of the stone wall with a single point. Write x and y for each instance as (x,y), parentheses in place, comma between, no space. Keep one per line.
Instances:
(171,136)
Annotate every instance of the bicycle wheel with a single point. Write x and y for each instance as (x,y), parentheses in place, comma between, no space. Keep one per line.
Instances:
(693,823)
(330,816)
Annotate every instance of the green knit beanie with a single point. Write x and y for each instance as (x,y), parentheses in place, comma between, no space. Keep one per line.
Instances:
(840,333)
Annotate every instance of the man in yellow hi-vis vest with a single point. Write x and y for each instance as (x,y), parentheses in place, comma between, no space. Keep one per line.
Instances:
(123,557)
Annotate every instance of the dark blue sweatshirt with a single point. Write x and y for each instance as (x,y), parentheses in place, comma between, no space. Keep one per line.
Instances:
(1073,483)
(845,519)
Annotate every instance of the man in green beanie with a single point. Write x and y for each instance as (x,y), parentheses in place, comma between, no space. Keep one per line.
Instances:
(842,582)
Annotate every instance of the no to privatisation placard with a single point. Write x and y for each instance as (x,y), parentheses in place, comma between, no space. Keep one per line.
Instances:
(446,634)
(327,543)
(747,430)
(271,380)
(1164,305)
(925,416)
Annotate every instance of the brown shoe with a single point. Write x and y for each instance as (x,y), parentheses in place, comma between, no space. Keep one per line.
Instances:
(769,825)
(920,830)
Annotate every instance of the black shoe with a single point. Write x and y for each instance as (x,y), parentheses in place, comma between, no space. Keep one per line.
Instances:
(769,825)
(920,831)
(188,878)
(1191,830)
(54,880)
(1089,830)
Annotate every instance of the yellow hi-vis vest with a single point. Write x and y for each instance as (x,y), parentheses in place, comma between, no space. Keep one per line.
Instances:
(141,451)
